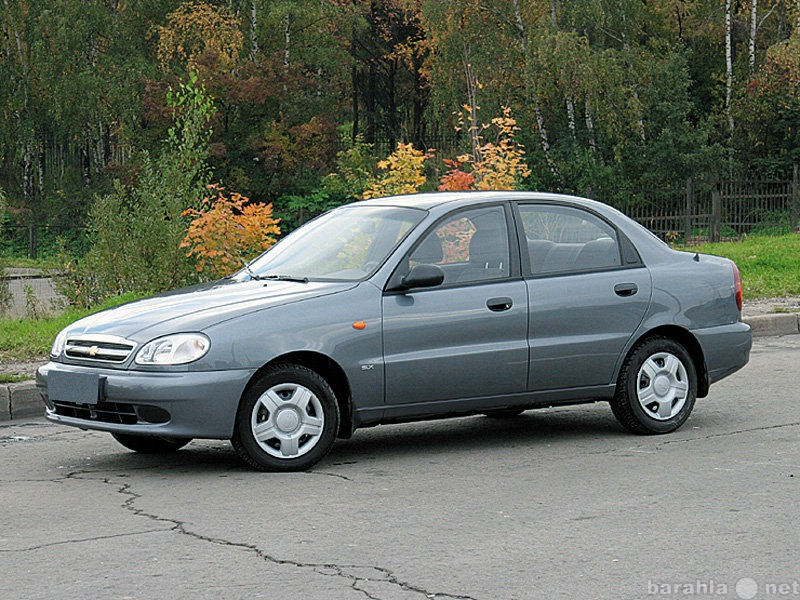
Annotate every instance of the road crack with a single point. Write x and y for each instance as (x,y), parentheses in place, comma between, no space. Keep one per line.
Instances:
(711,436)
(359,576)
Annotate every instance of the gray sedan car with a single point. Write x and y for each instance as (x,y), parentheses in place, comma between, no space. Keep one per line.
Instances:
(407,308)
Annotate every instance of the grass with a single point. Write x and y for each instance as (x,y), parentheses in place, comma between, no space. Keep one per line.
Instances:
(30,339)
(770,265)
(27,263)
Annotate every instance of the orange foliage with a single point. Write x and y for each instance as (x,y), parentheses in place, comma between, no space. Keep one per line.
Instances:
(456,180)
(227,232)
(496,165)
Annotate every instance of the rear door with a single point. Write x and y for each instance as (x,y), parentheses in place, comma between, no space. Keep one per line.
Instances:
(588,292)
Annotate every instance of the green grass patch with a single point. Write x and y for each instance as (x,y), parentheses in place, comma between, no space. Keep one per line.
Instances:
(5,378)
(770,265)
(27,263)
(30,339)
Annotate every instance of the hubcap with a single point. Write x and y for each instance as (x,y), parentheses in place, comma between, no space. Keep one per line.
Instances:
(662,386)
(287,420)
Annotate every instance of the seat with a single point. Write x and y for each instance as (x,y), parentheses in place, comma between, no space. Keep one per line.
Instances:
(488,256)
(598,254)
(538,251)
(429,251)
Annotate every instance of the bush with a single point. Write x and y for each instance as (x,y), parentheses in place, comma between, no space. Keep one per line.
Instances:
(228,232)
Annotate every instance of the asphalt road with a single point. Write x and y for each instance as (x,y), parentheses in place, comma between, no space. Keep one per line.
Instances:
(558,503)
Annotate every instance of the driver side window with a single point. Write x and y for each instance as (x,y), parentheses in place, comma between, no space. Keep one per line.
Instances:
(469,246)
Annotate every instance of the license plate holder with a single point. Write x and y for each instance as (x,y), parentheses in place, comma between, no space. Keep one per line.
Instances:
(78,388)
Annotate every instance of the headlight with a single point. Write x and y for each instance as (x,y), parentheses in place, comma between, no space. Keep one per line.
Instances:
(58,344)
(176,349)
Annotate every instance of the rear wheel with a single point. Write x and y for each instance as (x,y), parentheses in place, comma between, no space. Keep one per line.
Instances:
(287,421)
(150,444)
(657,387)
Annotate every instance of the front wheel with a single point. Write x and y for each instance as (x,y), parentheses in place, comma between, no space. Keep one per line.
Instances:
(287,421)
(150,444)
(657,387)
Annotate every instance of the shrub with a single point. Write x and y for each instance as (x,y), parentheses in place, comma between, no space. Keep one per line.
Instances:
(498,165)
(404,172)
(228,232)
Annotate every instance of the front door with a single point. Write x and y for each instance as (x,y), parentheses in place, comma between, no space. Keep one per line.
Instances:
(467,338)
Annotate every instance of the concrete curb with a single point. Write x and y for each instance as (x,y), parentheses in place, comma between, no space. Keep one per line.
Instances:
(775,324)
(22,400)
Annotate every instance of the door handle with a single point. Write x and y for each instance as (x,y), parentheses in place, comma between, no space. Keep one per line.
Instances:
(499,304)
(625,289)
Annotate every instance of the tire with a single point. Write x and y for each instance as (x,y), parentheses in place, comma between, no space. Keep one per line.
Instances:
(657,387)
(150,444)
(287,420)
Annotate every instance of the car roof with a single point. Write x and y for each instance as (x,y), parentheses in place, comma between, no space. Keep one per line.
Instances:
(429,200)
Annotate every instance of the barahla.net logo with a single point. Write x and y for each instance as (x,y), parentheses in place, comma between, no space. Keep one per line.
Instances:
(745,588)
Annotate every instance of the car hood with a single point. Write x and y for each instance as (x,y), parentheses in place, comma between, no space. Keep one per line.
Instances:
(198,307)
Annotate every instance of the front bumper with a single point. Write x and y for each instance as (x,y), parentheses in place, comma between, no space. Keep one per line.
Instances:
(185,404)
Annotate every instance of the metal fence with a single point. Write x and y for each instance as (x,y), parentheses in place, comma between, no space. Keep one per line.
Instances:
(723,210)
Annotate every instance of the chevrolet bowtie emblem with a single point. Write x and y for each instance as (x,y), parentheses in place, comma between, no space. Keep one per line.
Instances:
(93,351)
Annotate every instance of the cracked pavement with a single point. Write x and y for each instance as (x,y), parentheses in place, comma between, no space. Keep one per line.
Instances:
(559,503)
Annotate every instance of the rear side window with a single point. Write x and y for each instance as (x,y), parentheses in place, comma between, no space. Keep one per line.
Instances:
(563,239)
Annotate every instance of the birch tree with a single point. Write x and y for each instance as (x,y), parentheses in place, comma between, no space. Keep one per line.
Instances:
(729,64)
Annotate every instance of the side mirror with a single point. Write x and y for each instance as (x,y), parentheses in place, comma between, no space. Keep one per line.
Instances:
(422,276)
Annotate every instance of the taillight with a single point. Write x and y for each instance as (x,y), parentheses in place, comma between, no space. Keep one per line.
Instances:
(737,286)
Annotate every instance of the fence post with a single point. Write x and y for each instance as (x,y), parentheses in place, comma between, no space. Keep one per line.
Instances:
(31,241)
(716,215)
(794,210)
(688,210)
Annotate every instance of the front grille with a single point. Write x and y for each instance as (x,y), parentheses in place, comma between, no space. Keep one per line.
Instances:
(113,412)
(100,348)
(106,412)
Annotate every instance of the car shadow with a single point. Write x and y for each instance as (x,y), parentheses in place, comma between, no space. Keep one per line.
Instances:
(390,442)
(563,427)
(480,433)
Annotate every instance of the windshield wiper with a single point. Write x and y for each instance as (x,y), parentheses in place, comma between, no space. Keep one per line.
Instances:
(252,273)
(285,278)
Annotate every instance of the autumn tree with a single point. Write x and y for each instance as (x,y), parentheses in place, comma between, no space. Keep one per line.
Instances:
(404,172)
(197,37)
(227,232)
(137,230)
(495,164)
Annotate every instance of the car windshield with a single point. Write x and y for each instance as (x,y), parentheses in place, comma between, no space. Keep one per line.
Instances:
(349,243)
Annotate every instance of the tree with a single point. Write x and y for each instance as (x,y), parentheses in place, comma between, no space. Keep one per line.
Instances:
(496,165)
(199,38)
(404,172)
(227,232)
(137,230)
(769,113)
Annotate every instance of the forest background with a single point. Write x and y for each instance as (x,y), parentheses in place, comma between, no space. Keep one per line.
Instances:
(116,114)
